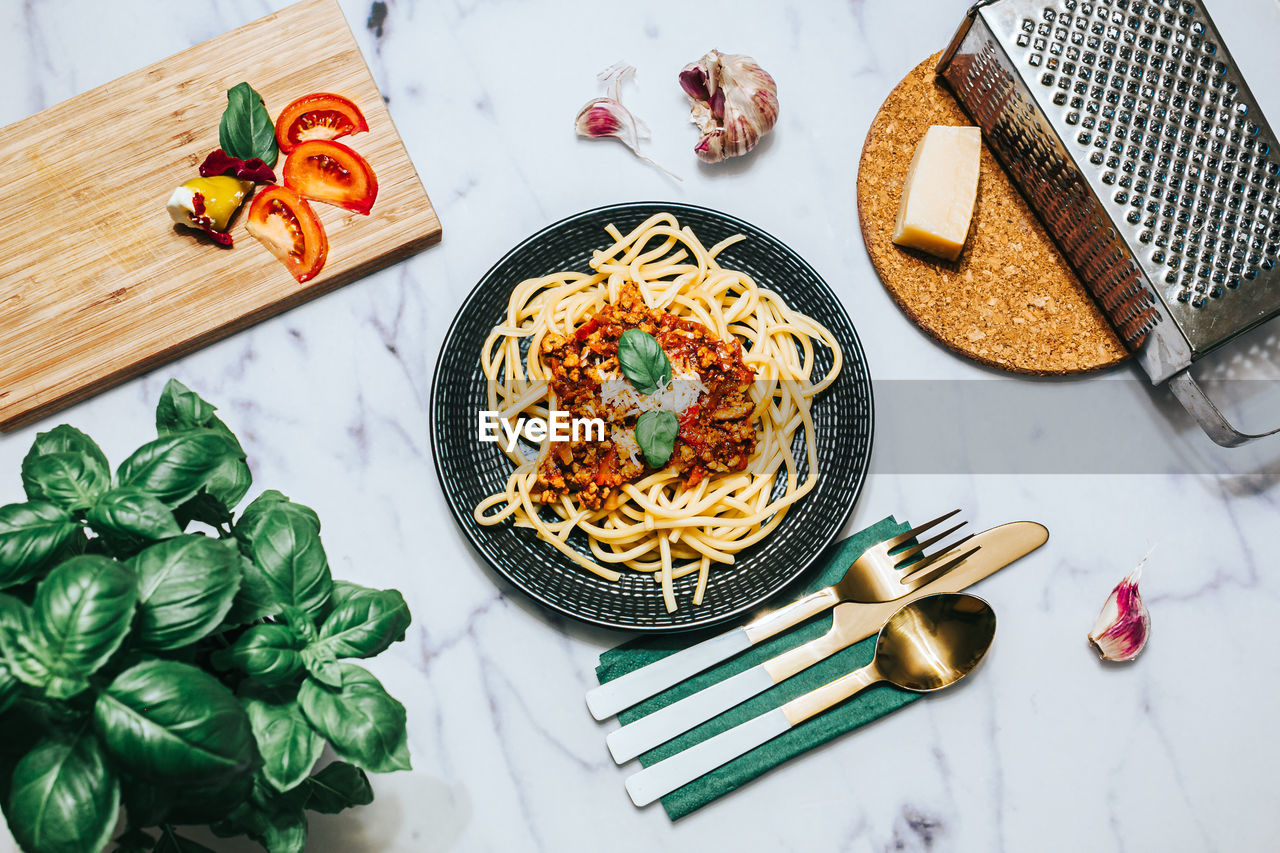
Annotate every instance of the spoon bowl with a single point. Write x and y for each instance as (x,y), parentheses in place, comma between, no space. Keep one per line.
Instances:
(935,641)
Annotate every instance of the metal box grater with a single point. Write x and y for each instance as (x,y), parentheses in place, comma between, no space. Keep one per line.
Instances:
(1137,141)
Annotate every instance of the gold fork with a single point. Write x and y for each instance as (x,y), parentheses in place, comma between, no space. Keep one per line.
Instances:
(883,572)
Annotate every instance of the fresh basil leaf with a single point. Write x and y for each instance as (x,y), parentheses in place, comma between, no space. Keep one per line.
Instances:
(642,361)
(65,467)
(15,617)
(338,786)
(128,519)
(185,587)
(288,745)
(656,434)
(365,625)
(270,653)
(176,467)
(266,505)
(322,665)
(64,796)
(32,538)
(171,842)
(281,831)
(170,723)
(182,410)
(82,613)
(246,130)
(364,725)
(288,559)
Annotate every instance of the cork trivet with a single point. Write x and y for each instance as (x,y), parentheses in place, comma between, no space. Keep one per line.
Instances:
(1011,301)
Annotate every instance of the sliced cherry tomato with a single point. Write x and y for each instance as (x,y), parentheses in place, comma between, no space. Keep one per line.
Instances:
(332,173)
(282,221)
(318,116)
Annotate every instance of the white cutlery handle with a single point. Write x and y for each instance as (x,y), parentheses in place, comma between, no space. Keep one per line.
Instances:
(682,768)
(678,717)
(623,692)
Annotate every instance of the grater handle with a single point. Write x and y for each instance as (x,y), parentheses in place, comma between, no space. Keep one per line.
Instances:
(1211,420)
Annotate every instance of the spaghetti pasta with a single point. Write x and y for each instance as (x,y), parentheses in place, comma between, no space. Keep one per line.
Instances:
(660,523)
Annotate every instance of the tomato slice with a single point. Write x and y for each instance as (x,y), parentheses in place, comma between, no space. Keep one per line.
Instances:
(318,116)
(331,172)
(282,221)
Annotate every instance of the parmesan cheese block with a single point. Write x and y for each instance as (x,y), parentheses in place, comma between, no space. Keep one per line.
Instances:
(939,192)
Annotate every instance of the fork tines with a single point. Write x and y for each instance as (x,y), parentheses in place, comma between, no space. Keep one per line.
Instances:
(949,556)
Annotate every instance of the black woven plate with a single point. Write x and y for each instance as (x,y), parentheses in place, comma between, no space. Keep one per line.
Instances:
(469,471)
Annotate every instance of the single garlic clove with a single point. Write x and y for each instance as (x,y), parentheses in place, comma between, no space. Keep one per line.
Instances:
(734,104)
(604,118)
(1124,624)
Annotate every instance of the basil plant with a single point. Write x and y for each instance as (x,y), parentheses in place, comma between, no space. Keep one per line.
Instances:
(188,677)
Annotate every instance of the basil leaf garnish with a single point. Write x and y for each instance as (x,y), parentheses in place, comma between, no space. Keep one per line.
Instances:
(643,362)
(656,434)
(246,130)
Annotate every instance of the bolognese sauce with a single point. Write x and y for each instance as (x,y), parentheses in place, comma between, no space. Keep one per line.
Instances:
(709,393)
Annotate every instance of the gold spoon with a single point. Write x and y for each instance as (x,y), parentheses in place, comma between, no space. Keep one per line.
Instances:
(928,644)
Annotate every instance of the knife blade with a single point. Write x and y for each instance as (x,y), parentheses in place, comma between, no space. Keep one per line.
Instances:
(851,623)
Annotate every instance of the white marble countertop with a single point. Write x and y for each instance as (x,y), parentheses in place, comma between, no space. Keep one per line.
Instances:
(1046,750)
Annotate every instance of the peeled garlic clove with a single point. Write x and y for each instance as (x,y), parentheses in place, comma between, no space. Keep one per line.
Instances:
(1124,623)
(734,104)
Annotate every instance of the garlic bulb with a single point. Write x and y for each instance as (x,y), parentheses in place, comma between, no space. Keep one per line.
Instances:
(603,118)
(734,104)
(1123,624)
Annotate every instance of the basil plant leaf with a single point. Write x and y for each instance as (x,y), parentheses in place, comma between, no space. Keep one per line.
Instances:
(322,665)
(20,655)
(15,618)
(33,536)
(185,587)
(365,625)
(266,505)
(656,434)
(288,745)
(182,410)
(270,653)
(364,725)
(279,831)
(82,612)
(282,540)
(246,130)
(174,468)
(642,361)
(173,724)
(338,786)
(64,796)
(127,519)
(67,468)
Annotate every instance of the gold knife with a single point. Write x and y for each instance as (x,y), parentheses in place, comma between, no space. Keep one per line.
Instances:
(851,622)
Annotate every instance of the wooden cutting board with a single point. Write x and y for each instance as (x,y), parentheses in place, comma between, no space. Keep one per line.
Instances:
(97,284)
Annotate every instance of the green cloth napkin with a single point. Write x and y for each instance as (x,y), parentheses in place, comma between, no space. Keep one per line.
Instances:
(862,709)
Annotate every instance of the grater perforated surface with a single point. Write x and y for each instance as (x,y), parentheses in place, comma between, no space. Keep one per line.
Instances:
(1140,145)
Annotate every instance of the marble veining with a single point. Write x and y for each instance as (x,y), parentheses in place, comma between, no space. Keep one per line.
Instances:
(1046,749)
